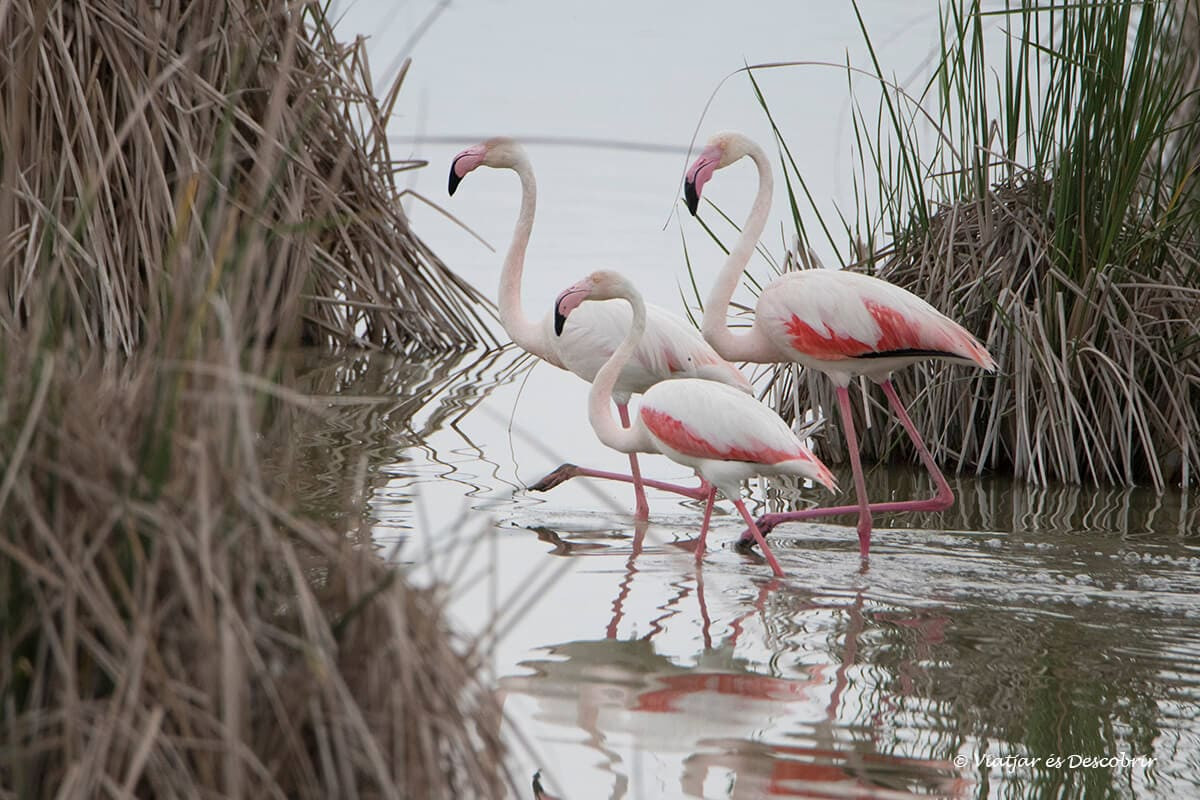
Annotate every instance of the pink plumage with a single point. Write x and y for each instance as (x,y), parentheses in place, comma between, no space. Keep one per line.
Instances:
(719,431)
(670,349)
(841,323)
(845,323)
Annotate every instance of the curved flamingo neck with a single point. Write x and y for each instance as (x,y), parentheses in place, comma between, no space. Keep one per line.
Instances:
(600,399)
(526,333)
(747,346)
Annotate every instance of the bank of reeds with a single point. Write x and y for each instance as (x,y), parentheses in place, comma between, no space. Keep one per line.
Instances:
(1041,188)
(171,626)
(159,154)
(187,188)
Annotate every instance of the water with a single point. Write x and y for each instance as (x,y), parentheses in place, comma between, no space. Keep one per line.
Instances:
(1023,625)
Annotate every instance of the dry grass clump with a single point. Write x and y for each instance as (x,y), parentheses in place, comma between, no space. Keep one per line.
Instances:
(1047,200)
(1100,375)
(185,190)
(155,156)
(172,629)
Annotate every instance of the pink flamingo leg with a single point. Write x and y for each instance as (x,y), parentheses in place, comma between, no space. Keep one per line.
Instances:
(860,483)
(565,472)
(762,543)
(642,508)
(943,499)
(945,495)
(708,509)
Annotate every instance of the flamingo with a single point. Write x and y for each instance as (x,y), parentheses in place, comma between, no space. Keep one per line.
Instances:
(841,323)
(722,433)
(671,348)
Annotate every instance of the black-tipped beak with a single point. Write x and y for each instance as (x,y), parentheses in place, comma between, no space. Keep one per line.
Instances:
(454,179)
(560,319)
(691,196)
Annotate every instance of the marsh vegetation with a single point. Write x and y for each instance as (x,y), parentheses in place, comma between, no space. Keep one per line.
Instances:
(1039,186)
(184,197)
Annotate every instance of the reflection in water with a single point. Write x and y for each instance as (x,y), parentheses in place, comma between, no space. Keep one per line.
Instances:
(873,686)
(372,436)
(712,707)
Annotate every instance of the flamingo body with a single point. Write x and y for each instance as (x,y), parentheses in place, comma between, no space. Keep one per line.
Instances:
(837,322)
(670,349)
(724,435)
(846,323)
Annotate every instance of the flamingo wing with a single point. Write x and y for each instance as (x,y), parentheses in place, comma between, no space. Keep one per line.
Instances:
(834,315)
(706,420)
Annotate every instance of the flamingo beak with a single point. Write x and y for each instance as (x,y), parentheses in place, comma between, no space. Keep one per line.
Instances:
(698,174)
(691,196)
(464,162)
(567,302)
(455,178)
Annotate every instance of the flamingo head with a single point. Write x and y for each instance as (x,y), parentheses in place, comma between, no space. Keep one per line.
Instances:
(497,152)
(601,285)
(720,151)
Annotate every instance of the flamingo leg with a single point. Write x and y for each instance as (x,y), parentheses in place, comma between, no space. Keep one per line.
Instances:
(565,472)
(708,509)
(642,507)
(942,499)
(860,483)
(762,543)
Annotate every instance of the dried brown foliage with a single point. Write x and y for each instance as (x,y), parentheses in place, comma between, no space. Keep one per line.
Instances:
(184,189)
(156,155)
(173,628)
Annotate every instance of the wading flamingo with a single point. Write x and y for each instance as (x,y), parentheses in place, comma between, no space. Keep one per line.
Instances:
(841,323)
(725,435)
(671,348)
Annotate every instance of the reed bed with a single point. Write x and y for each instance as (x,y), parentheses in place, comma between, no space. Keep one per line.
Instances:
(159,154)
(188,189)
(1045,196)
(172,627)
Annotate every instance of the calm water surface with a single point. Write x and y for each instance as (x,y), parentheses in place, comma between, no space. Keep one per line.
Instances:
(981,644)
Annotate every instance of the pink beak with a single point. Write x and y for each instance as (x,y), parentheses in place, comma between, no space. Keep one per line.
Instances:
(463,163)
(567,302)
(698,174)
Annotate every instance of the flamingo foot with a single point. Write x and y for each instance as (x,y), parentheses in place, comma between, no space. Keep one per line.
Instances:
(560,474)
(762,543)
(864,535)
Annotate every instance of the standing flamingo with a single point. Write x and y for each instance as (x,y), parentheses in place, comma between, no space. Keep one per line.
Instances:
(841,323)
(671,348)
(722,433)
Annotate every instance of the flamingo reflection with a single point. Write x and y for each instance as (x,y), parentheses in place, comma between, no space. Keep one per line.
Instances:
(747,729)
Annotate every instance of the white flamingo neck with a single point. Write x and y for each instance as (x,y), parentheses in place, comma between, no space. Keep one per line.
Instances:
(740,346)
(527,334)
(600,399)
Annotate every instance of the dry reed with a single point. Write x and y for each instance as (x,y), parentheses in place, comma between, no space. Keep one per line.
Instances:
(1052,208)
(185,189)
(159,154)
(172,628)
